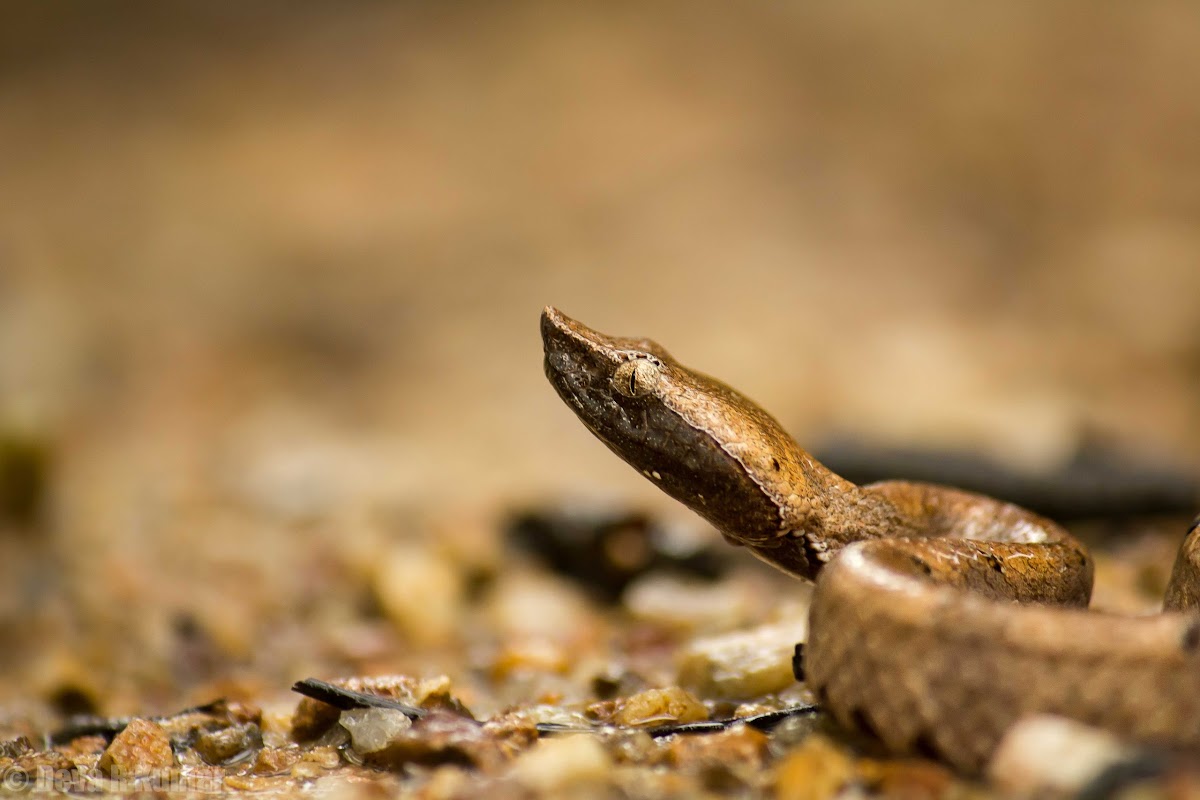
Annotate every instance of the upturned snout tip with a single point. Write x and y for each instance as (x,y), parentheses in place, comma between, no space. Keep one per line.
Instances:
(551,321)
(556,325)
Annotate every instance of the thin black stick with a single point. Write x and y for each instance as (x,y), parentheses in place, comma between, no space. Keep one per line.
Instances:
(346,699)
(765,722)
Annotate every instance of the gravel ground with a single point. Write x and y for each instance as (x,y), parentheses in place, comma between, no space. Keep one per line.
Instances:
(270,385)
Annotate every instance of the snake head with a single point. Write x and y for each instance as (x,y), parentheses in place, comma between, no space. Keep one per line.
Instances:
(698,440)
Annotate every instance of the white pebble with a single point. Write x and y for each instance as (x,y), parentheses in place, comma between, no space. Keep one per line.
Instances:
(1049,754)
(745,664)
(421,592)
(371,729)
(562,763)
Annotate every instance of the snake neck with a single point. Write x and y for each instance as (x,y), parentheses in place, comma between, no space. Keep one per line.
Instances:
(824,513)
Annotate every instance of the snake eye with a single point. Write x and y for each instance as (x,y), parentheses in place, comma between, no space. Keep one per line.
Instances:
(636,378)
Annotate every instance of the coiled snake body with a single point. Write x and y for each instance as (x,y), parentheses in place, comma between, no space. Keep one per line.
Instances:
(939,617)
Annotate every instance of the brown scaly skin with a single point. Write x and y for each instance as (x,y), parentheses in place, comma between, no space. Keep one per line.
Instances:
(914,632)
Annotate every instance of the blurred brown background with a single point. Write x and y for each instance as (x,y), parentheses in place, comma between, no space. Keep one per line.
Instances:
(269,275)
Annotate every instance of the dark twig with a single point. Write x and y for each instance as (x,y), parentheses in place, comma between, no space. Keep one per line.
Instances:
(764,722)
(604,551)
(1115,779)
(1098,482)
(108,727)
(346,699)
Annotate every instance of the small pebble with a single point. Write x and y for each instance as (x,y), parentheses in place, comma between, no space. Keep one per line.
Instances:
(371,729)
(326,757)
(659,707)
(307,770)
(449,782)
(275,760)
(251,783)
(740,746)
(229,745)
(530,656)
(746,664)
(143,748)
(814,771)
(561,764)
(689,605)
(441,738)
(83,746)
(527,605)
(1048,754)
(795,730)
(421,592)
(909,778)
